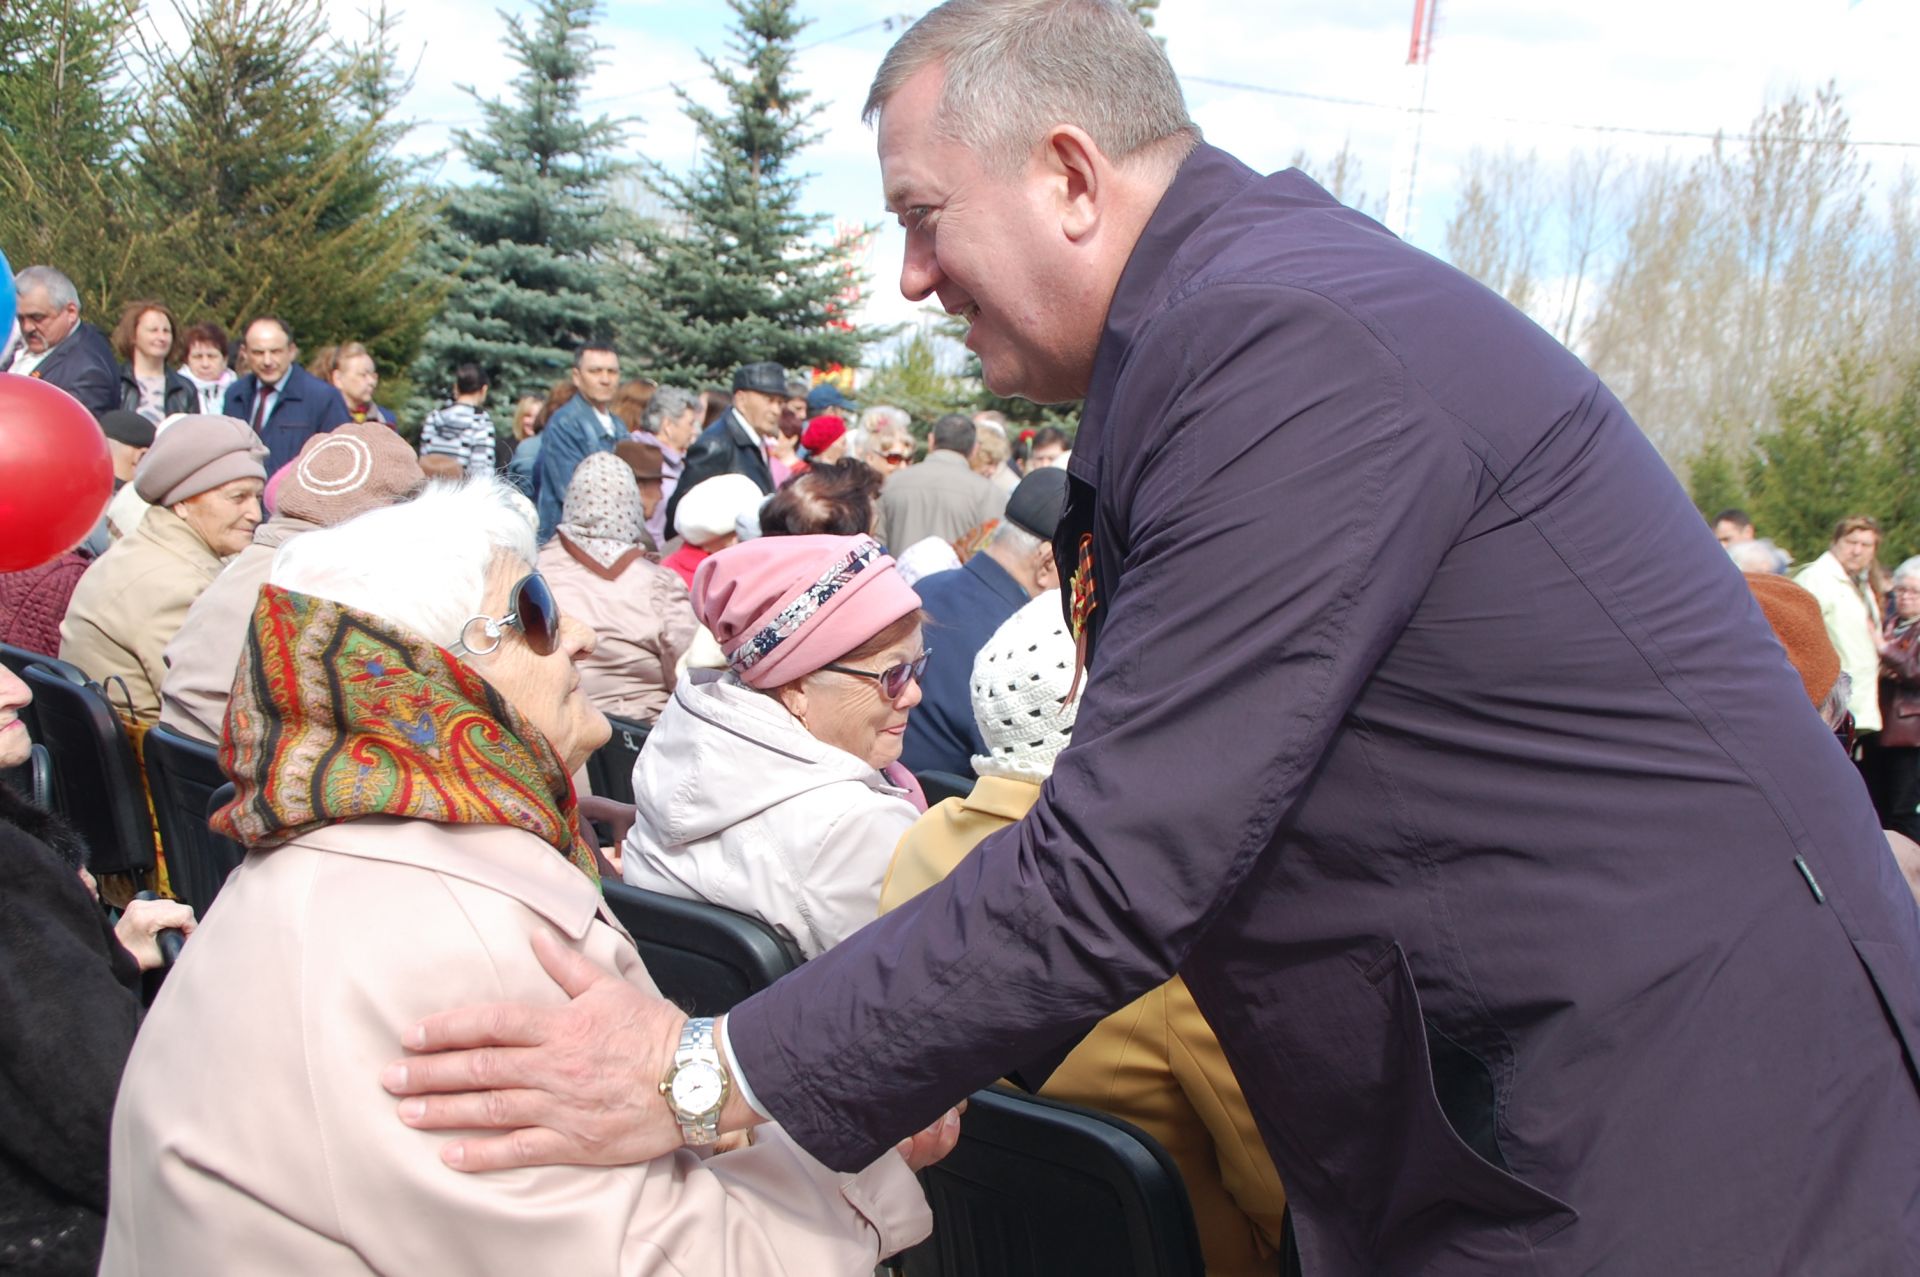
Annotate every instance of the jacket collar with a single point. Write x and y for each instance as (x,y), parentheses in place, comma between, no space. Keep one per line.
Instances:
(511,861)
(996,578)
(176,536)
(1003,797)
(1207,180)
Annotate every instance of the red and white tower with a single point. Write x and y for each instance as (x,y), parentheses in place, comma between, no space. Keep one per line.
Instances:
(1401,201)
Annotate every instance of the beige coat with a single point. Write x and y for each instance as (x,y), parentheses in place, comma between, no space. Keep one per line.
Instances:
(643,622)
(941,497)
(131,602)
(1852,614)
(252,1136)
(205,655)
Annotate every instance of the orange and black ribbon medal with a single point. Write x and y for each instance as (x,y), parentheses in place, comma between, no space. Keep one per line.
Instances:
(1081,610)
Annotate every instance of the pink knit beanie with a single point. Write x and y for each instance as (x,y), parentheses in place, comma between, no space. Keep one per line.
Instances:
(782,607)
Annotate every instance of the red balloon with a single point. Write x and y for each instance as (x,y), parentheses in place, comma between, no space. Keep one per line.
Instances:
(56,475)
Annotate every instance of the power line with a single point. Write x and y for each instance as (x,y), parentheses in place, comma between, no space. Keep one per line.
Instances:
(1273,91)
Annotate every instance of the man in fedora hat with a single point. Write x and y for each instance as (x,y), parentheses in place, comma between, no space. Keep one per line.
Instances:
(736,443)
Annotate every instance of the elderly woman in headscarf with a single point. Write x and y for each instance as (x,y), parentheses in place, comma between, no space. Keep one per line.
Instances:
(598,566)
(775,787)
(203,476)
(400,738)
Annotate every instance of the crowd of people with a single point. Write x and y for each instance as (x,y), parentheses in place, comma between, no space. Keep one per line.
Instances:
(649,555)
(1370,780)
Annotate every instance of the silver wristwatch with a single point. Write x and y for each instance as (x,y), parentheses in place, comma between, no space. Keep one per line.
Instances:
(696,1084)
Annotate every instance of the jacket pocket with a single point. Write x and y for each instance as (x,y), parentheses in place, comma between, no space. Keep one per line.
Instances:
(1454,1169)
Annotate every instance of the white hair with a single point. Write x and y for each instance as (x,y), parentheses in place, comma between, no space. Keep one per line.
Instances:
(1016,68)
(885,418)
(1758,555)
(54,283)
(1015,538)
(1909,570)
(421,564)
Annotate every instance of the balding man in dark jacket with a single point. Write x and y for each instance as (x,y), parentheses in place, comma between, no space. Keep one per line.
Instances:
(1427,733)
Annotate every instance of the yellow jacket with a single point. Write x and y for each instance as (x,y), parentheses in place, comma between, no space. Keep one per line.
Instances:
(1154,1062)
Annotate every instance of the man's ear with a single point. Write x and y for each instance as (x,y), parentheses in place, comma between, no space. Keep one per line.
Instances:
(1079,168)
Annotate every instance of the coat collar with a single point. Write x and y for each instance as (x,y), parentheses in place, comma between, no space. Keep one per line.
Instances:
(1003,797)
(1208,179)
(511,861)
(988,571)
(176,536)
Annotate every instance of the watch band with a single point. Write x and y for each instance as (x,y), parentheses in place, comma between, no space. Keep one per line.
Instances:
(697,1047)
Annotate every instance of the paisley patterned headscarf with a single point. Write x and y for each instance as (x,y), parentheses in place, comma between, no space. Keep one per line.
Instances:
(338,715)
(602,516)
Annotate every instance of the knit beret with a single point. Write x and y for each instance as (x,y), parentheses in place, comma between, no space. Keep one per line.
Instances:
(1795,617)
(1021,676)
(821,433)
(197,453)
(781,607)
(355,468)
(710,508)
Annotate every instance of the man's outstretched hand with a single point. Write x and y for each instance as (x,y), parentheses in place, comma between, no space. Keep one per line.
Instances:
(575,1084)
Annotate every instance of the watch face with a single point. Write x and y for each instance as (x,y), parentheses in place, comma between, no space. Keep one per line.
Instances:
(696,1087)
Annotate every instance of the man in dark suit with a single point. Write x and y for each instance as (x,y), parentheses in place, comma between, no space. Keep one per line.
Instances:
(57,347)
(737,442)
(284,403)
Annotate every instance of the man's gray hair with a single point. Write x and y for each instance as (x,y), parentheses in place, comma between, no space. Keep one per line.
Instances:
(54,283)
(1017,68)
(668,402)
(422,564)
(1011,536)
(1909,571)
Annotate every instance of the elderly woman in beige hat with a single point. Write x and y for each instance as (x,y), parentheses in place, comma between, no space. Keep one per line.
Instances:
(203,476)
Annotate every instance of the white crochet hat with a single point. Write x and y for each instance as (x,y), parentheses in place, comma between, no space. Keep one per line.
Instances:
(712,509)
(1019,680)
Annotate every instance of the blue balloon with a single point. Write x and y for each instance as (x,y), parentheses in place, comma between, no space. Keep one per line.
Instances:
(6,299)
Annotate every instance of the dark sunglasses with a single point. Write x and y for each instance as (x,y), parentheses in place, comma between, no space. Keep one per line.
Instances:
(896,458)
(893,680)
(531,610)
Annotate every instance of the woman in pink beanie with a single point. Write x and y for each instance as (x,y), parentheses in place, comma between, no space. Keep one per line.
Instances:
(774,787)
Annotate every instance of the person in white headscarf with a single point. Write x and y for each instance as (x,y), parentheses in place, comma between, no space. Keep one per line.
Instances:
(599,569)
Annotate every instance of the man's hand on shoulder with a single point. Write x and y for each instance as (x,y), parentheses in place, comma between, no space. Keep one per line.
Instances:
(575,1084)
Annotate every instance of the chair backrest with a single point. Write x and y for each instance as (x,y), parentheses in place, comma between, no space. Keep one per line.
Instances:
(18,658)
(702,956)
(939,786)
(96,779)
(183,775)
(1038,1187)
(610,769)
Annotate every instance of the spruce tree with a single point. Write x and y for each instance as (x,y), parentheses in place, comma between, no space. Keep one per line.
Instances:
(66,108)
(532,246)
(737,272)
(270,155)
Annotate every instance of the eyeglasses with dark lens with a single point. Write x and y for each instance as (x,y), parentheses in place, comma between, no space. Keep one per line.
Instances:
(896,458)
(893,680)
(531,610)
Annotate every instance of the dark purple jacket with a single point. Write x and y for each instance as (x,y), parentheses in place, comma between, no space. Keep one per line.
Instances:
(1431,736)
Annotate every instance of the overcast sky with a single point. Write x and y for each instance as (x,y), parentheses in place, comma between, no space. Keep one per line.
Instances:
(1503,72)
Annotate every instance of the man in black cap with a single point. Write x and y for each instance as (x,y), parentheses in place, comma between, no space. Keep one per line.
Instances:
(736,443)
(965,606)
(129,435)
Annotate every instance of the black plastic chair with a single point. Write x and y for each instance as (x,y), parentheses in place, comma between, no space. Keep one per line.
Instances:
(610,769)
(18,658)
(97,784)
(1036,1187)
(703,957)
(939,786)
(183,775)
